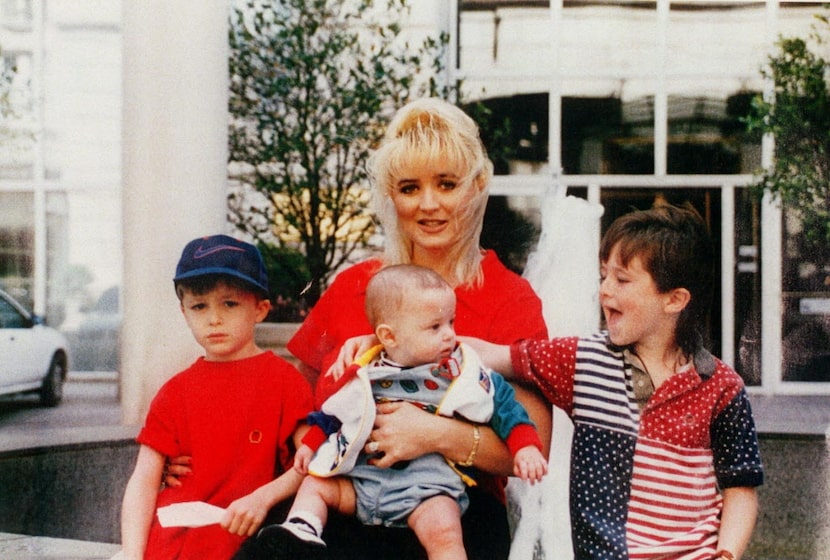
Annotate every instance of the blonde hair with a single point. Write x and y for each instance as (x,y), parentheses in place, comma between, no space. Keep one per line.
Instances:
(392,285)
(428,130)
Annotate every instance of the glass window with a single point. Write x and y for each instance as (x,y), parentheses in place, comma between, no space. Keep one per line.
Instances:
(611,43)
(706,136)
(17,245)
(593,136)
(16,13)
(10,317)
(806,304)
(747,301)
(511,228)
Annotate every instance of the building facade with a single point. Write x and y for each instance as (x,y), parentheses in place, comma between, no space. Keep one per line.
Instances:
(629,102)
(618,102)
(60,169)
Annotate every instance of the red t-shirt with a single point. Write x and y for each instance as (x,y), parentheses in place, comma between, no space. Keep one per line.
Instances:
(503,309)
(235,419)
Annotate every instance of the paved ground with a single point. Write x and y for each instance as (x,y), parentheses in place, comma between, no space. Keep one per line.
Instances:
(20,547)
(90,409)
(90,399)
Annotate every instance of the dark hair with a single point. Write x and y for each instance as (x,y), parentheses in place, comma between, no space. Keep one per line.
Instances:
(200,285)
(675,248)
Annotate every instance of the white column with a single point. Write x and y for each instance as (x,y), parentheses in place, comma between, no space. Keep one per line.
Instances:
(175,153)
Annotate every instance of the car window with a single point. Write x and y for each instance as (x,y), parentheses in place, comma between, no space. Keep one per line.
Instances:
(10,318)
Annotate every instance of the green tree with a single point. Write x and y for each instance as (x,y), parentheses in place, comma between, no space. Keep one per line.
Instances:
(312,85)
(6,76)
(798,116)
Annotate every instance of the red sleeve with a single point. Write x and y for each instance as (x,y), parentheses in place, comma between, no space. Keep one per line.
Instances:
(336,317)
(160,430)
(521,436)
(503,309)
(314,437)
(327,385)
(296,402)
(550,365)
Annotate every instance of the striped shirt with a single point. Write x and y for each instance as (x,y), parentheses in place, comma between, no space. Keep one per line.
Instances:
(645,483)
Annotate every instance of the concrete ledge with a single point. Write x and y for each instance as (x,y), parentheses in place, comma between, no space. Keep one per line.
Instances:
(275,336)
(787,416)
(14,546)
(66,490)
(63,439)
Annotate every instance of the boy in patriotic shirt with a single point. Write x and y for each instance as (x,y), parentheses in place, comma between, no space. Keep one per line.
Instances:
(665,455)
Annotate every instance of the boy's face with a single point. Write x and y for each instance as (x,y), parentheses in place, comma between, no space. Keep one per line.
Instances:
(422,331)
(635,312)
(222,321)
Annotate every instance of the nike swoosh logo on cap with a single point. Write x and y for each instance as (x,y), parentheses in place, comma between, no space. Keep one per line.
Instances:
(201,253)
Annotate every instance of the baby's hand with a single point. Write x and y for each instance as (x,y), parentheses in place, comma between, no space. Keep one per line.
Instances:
(302,458)
(529,464)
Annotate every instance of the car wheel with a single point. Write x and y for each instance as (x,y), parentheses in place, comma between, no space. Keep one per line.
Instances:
(51,392)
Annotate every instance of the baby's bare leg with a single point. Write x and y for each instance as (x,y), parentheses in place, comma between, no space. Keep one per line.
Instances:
(317,495)
(437,524)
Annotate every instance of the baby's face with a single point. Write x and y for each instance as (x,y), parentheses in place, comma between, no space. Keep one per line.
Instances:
(423,328)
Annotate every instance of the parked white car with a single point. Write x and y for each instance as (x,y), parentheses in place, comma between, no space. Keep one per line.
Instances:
(33,357)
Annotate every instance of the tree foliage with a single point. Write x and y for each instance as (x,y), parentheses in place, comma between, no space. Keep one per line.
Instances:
(798,117)
(15,137)
(312,85)
(6,76)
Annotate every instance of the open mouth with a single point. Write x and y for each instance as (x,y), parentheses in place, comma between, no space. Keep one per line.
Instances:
(612,316)
(432,226)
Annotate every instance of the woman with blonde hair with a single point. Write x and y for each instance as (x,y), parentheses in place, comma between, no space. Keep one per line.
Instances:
(430,177)
(424,133)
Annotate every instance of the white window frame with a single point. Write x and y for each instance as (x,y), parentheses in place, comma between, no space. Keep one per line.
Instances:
(771,215)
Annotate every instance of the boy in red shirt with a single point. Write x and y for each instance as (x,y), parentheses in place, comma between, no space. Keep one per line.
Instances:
(238,412)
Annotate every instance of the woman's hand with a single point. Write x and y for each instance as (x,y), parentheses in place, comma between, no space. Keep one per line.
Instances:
(402,433)
(175,469)
(352,349)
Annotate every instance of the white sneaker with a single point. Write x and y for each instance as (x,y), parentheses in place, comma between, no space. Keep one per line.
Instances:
(303,530)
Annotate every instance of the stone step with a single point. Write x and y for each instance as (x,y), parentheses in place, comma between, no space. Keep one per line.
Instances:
(25,547)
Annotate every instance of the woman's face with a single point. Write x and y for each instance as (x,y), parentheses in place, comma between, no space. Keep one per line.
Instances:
(430,203)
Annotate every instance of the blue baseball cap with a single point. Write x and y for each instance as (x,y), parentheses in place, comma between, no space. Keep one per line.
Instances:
(222,254)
